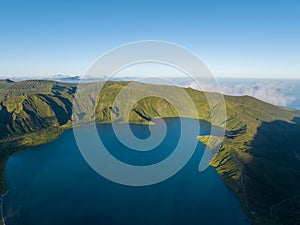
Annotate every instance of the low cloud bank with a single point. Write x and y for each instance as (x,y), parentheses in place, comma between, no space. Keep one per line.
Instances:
(274,92)
(277,93)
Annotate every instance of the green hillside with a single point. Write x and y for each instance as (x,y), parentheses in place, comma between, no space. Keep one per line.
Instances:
(259,159)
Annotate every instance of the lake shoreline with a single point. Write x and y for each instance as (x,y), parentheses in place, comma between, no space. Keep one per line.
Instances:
(2,221)
(55,135)
(45,136)
(53,146)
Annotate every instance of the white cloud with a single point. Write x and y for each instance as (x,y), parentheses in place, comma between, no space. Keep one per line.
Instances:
(274,92)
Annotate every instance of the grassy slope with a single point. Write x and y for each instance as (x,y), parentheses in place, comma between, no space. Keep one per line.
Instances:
(258,163)
(250,162)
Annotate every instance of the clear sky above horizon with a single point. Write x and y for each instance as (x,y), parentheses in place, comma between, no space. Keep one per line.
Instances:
(234,38)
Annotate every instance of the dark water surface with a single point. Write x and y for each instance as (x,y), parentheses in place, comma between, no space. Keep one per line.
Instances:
(53,185)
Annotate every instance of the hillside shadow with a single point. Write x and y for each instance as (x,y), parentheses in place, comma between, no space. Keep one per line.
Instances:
(274,171)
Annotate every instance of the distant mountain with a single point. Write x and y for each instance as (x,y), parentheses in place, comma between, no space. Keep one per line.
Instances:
(64,78)
(259,159)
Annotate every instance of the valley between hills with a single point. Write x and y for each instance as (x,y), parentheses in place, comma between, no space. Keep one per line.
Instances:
(258,160)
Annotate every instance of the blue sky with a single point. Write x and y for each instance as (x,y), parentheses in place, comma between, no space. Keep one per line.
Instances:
(234,38)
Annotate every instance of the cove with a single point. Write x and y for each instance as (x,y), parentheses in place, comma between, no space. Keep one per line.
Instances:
(53,184)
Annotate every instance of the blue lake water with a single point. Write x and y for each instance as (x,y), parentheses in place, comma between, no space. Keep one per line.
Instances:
(52,184)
